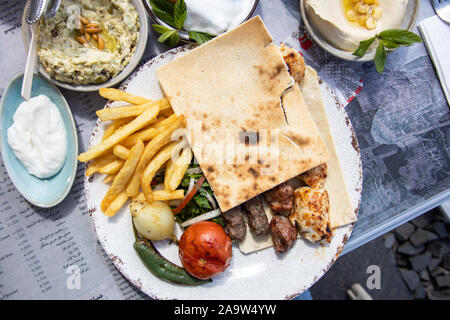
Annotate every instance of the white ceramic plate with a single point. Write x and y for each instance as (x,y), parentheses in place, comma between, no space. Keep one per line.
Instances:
(260,275)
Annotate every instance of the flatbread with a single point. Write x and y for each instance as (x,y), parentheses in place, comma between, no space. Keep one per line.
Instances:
(229,87)
(341,209)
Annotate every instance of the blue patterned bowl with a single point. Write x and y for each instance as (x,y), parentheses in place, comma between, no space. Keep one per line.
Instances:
(40,192)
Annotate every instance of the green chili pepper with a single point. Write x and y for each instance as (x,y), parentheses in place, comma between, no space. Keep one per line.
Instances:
(161,267)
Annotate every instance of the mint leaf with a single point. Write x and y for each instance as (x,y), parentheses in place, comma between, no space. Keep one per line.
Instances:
(162,5)
(173,40)
(180,12)
(389,44)
(160,29)
(166,35)
(380,58)
(170,38)
(164,10)
(200,37)
(400,37)
(363,47)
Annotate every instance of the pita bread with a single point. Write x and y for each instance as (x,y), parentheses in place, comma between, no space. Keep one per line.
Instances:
(229,91)
(341,209)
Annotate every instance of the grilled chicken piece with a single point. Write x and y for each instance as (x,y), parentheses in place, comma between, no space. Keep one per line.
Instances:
(281,198)
(315,177)
(311,214)
(234,221)
(257,219)
(283,233)
(295,62)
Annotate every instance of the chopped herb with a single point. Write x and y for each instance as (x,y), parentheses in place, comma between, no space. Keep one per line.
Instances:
(200,37)
(199,203)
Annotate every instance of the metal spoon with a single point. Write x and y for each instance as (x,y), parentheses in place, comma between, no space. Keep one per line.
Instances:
(52,8)
(33,12)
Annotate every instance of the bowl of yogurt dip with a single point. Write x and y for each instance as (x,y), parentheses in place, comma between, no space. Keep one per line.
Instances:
(338,26)
(212,17)
(39,143)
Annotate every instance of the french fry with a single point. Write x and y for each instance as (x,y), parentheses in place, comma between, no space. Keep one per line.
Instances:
(107,114)
(150,150)
(118,95)
(144,135)
(140,197)
(118,203)
(167,111)
(161,195)
(149,133)
(170,166)
(112,167)
(115,125)
(120,134)
(109,178)
(127,168)
(178,170)
(166,195)
(121,152)
(99,163)
(123,176)
(165,122)
(154,165)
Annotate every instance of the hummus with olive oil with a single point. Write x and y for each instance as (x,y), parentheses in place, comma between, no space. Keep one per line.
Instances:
(344,23)
(67,60)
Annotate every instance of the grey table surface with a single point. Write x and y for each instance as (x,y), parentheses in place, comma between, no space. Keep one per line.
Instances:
(402,123)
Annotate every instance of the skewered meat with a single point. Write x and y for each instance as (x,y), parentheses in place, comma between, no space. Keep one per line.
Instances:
(311,214)
(257,219)
(295,63)
(283,233)
(234,221)
(315,177)
(281,198)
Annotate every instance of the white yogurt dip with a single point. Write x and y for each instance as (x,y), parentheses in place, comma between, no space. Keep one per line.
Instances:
(216,16)
(38,137)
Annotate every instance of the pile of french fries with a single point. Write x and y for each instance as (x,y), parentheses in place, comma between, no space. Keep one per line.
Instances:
(134,147)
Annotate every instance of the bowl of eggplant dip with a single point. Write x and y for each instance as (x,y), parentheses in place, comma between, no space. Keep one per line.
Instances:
(90,44)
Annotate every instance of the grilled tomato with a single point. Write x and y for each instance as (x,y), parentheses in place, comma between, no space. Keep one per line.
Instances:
(205,249)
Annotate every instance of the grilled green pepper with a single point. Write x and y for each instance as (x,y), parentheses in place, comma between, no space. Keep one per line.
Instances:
(163,268)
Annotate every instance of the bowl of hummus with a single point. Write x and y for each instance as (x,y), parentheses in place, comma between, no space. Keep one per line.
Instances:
(91,44)
(339,25)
